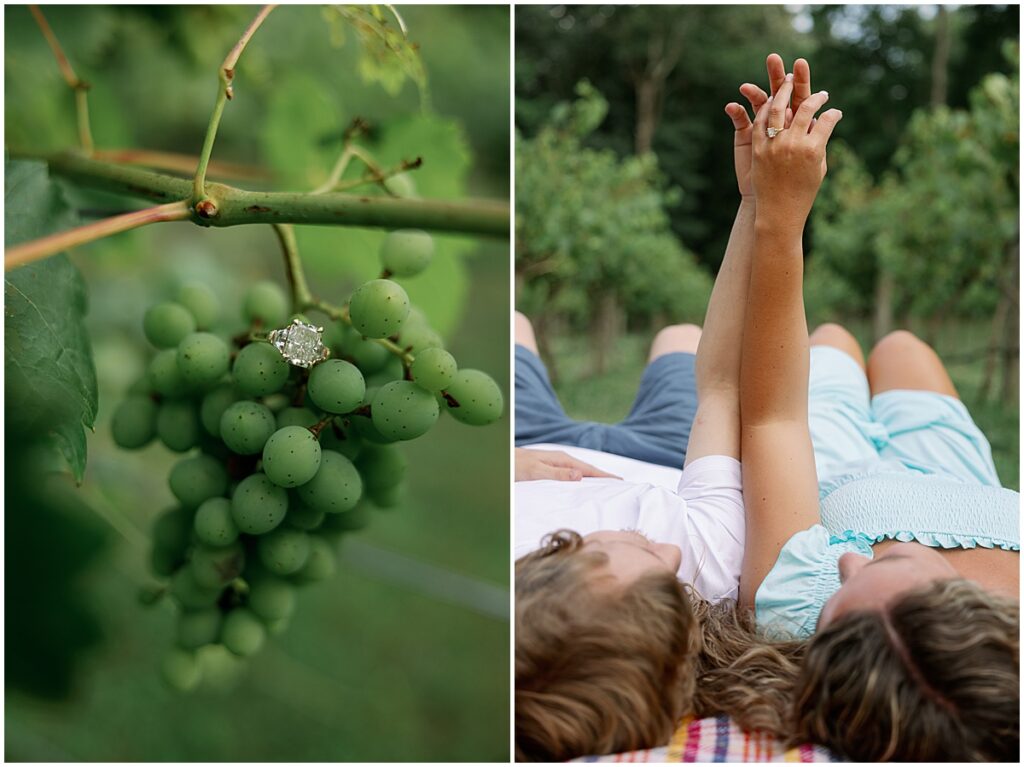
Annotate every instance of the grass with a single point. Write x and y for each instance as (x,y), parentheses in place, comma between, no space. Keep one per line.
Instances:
(608,397)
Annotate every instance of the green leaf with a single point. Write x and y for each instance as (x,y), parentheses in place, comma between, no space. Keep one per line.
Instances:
(51,378)
(386,55)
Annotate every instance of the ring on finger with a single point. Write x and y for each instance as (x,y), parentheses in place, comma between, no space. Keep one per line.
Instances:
(773,132)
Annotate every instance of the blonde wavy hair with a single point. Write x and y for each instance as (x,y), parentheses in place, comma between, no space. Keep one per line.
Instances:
(603,668)
(935,677)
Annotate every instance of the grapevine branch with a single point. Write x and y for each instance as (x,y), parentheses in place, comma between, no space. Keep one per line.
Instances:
(239,206)
(293,266)
(79,86)
(28,252)
(224,93)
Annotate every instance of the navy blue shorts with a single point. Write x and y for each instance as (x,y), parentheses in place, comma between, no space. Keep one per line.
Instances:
(656,430)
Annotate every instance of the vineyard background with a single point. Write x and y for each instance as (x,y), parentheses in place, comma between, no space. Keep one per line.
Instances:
(403,655)
(625,190)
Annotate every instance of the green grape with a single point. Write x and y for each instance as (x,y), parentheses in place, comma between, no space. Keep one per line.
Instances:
(201,303)
(167,324)
(336,386)
(401,185)
(336,486)
(479,398)
(406,252)
(246,426)
(180,669)
(267,304)
(214,523)
(134,422)
(284,551)
(165,375)
(368,432)
(203,359)
(213,567)
(381,467)
(348,443)
(378,308)
(195,479)
(419,336)
(199,627)
(338,524)
(258,505)
(243,632)
(190,594)
(434,369)
(368,356)
(270,597)
(403,410)
(221,668)
(291,456)
(296,416)
(320,564)
(215,402)
(177,425)
(302,517)
(336,335)
(260,370)
(171,533)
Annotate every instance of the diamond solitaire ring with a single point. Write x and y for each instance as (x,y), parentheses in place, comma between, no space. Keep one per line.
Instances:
(300,343)
(772,132)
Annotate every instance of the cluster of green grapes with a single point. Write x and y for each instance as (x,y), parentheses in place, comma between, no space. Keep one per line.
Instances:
(280,460)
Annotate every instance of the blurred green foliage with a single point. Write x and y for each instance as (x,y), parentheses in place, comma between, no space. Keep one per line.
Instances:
(377,665)
(591,226)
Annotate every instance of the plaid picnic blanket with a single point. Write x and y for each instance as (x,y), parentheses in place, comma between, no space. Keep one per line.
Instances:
(719,739)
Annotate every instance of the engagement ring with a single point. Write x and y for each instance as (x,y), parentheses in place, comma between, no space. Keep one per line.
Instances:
(300,343)
(773,131)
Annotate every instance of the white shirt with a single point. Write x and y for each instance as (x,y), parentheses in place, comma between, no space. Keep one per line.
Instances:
(699,509)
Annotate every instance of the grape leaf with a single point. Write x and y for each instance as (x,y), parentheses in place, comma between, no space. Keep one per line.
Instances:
(51,378)
(386,55)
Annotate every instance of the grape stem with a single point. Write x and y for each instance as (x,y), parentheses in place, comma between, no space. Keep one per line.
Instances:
(293,266)
(226,76)
(79,86)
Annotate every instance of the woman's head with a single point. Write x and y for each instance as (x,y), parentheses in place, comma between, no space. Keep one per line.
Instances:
(605,652)
(874,583)
(932,676)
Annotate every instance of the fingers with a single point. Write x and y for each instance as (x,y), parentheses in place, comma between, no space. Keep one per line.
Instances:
(801,82)
(738,115)
(754,95)
(776,72)
(777,110)
(564,475)
(564,462)
(825,124)
(804,115)
(587,470)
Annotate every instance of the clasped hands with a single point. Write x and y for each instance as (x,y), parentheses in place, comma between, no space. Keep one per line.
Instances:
(781,175)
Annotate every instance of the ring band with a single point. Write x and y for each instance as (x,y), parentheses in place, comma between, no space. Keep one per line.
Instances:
(300,343)
(773,132)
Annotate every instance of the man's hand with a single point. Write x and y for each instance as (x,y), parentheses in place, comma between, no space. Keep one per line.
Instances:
(757,98)
(553,464)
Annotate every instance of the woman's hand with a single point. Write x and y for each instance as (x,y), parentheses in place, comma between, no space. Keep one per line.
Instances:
(553,464)
(787,170)
(742,142)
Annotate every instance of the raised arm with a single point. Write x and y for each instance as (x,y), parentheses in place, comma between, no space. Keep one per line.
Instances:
(716,427)
(780,486)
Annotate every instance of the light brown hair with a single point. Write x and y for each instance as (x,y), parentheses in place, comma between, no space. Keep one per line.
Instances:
(935,677)
(602,668)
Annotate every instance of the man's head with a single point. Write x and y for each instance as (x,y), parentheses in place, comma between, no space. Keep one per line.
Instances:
(606,646)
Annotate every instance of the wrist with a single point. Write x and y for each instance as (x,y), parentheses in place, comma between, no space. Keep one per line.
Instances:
(777,226)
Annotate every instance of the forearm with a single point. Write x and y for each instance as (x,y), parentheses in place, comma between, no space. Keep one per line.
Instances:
(775,358)
(718,356)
